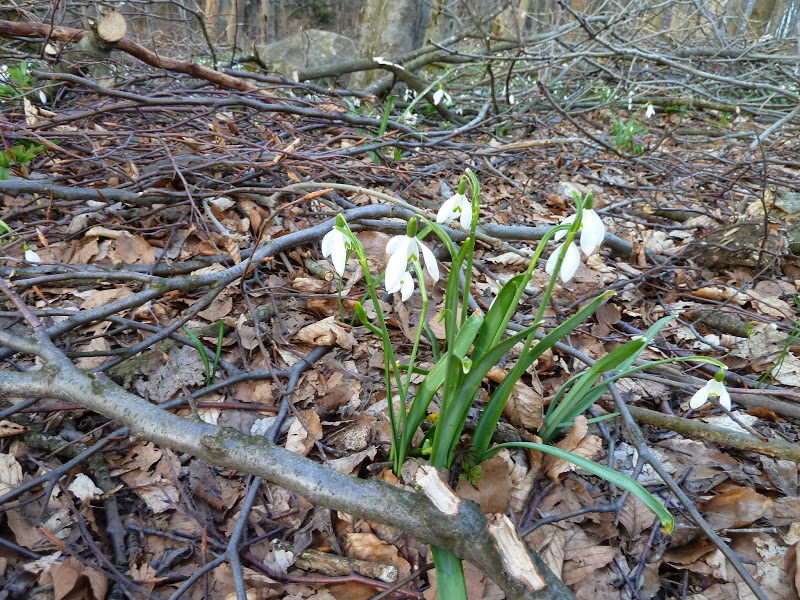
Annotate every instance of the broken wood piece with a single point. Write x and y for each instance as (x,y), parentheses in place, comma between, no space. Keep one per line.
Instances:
(513,552)
(333,565)
(437,491)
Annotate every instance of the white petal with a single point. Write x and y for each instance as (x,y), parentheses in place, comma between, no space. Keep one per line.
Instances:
(593,231)
(328,242)
(560,234)
(700,397)
(551,262)
(394,243)
(446,212)
(32,257)
(339,257)
(650,111)
(334,244)
(571,263)
(395,268)
(466,215)
(437,96)
(725,398)
(430,261)
(406,287)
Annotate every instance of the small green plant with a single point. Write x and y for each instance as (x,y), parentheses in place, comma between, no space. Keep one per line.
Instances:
(15,80)
(210,368)
(477,342)
(20,154)
(628,134)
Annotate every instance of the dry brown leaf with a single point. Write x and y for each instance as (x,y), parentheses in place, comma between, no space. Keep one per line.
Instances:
(104,297)
(133,250)
(576,442)
(72,580)
(326,333)
(98,344)
(549,541)
(635,516)
(524,407)
(303,434)
(736,507)
(9,428)
(493,489)
(585,555)
(10,473)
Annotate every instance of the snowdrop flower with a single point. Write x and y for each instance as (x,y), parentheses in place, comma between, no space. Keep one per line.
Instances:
(593,231)
(440,95)
(42,97)
(716,388)
(405,248)
(457,206)
(649,111)
(31,256)
(405,286)
(511,100)
(572,260)
(335,244)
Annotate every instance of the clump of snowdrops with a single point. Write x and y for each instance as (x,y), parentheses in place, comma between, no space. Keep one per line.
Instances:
(476,342)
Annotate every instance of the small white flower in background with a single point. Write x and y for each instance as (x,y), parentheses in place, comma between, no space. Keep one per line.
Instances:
(403,249)
(593,230)
(572,260)
(440,95)
(4,78)
(31,256)
(630,100)
(410,119)
(335,245)
(405,286)
(511,100)
(42,97)
(457,206)
(715,388)
(649,111)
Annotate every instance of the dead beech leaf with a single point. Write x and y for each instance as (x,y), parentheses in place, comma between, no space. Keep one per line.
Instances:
(326,333)
(524,407)
(635,516)
(505,481)
(104,297)
(72,580)
(509,259)
(10,473)
(302,434)
(9,428)
(737,507)
(548,540)
(576,442)
(84,488)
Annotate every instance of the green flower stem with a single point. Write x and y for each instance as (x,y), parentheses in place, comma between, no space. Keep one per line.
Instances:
(417,337)
(450,581)
(476,205)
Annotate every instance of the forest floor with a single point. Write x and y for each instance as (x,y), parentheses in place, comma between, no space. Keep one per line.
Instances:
(128,190)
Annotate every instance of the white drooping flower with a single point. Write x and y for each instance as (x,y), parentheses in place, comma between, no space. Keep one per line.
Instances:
(714,388)
(649,111)
(32,257)
(572,260)
(457,206)
(440,95)
(405,286)
(403,249)
(335,245)
(593,230)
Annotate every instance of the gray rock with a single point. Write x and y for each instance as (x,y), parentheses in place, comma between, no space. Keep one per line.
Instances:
(309,48)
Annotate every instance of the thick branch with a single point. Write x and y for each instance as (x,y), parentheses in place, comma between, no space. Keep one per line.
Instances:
(465,534)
